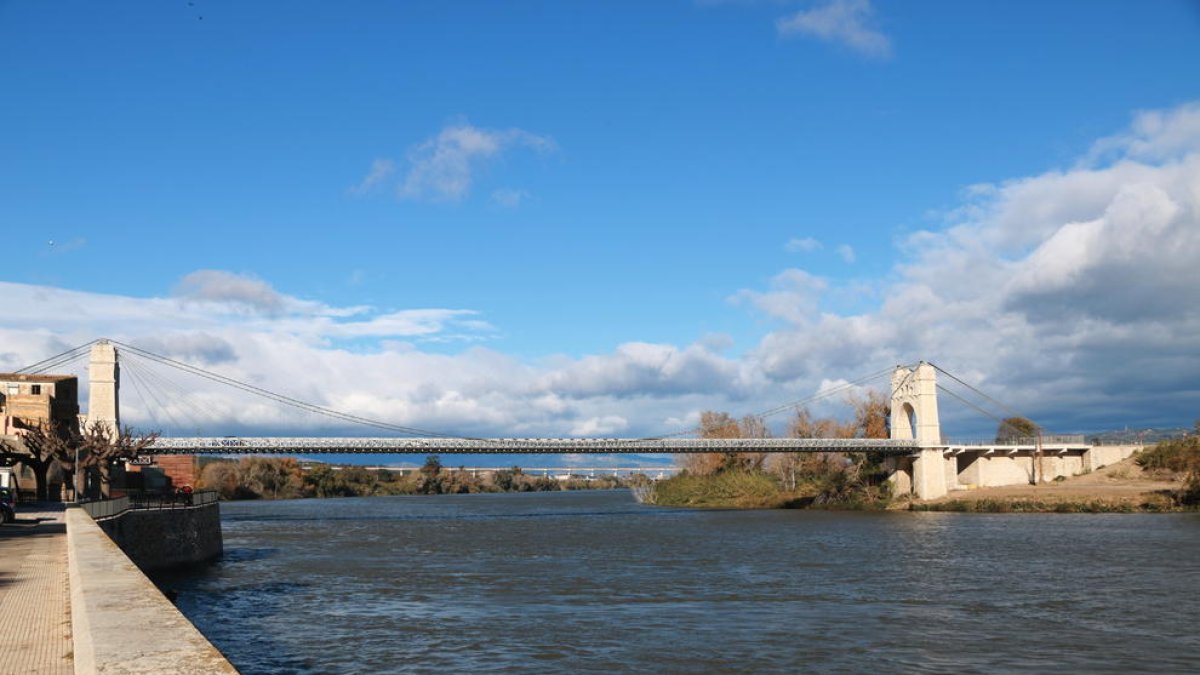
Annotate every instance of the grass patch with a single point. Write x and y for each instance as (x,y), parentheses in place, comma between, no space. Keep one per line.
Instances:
(739,489)
(727,489)
(1151,503)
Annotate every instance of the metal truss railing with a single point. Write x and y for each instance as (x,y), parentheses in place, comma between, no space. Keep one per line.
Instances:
(1047,439)
(529,446)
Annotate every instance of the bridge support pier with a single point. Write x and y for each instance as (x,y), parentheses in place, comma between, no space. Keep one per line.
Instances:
(899,472)
(929,474)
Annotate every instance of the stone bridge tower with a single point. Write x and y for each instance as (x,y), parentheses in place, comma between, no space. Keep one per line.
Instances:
(104,381)
(914,404)
(915,417)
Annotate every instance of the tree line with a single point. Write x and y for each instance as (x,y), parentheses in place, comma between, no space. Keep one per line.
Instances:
(286,478)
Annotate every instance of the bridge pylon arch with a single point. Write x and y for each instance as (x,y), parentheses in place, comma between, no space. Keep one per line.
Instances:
(915,405)
(915,417)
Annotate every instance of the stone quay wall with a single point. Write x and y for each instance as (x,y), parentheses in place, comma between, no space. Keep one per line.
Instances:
(156,539)
(120,622)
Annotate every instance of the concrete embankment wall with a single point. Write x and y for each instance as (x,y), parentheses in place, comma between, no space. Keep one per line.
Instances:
(995,467)
(161,538)
(977,469)
(1101,456)
(120,622)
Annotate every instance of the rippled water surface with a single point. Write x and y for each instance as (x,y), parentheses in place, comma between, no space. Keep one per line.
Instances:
(593,581)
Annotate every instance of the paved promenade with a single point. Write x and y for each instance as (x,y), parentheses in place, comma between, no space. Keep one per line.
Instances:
(35,612)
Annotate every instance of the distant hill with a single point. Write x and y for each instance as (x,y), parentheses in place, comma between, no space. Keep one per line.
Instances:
(1133,436)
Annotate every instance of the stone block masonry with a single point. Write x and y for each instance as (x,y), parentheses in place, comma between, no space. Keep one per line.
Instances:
(157,539)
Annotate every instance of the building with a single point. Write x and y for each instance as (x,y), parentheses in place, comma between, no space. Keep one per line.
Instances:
(34,400)
(28,401)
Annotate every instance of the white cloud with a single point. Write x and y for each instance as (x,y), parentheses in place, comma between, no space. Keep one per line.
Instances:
(58,247)
(225,287)
(794,296)
(1154,136)
(842,21)
(508,198)
(802,245)
(600,426)
(443,167)
(846,251)
(381,171)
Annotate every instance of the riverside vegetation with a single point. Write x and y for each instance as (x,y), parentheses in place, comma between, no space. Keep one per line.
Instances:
(1180,459)
(783,480)
(286,478)
(858,481)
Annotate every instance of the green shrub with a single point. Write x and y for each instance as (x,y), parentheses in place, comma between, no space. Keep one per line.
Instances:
(1180,455)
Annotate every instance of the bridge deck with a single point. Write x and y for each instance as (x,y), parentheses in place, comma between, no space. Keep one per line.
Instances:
(526,446)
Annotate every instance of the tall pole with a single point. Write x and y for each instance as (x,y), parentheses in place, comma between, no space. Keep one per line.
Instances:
(1040,474)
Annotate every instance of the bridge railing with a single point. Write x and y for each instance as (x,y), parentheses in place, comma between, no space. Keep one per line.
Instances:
(264,445)
(1047,439)
(109,508)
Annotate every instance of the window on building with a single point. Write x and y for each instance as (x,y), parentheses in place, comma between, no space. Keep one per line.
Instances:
(13,389)
(36,389)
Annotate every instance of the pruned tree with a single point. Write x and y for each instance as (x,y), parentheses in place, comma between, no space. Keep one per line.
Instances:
(41,445)
(97,447)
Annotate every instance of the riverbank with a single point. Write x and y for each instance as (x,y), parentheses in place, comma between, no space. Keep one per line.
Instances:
(1124,487)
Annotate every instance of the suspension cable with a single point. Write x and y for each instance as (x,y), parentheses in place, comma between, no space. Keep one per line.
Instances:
(285,400)
(57,360)
(170,387)
(136,374)
(970,404)
(1007,409)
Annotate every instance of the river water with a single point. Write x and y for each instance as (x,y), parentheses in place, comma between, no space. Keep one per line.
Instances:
(592,581)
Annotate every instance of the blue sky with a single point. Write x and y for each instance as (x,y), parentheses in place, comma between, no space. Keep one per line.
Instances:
(621,211)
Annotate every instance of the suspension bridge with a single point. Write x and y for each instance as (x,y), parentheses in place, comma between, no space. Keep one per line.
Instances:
(918,458)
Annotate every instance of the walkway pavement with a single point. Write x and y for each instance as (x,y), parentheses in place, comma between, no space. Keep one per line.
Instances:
(35,608)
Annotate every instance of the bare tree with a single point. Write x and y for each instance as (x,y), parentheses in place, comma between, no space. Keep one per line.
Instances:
(722,425)
(96,446)
(41,445)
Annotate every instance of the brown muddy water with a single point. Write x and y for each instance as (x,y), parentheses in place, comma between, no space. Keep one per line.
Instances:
(592,581)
